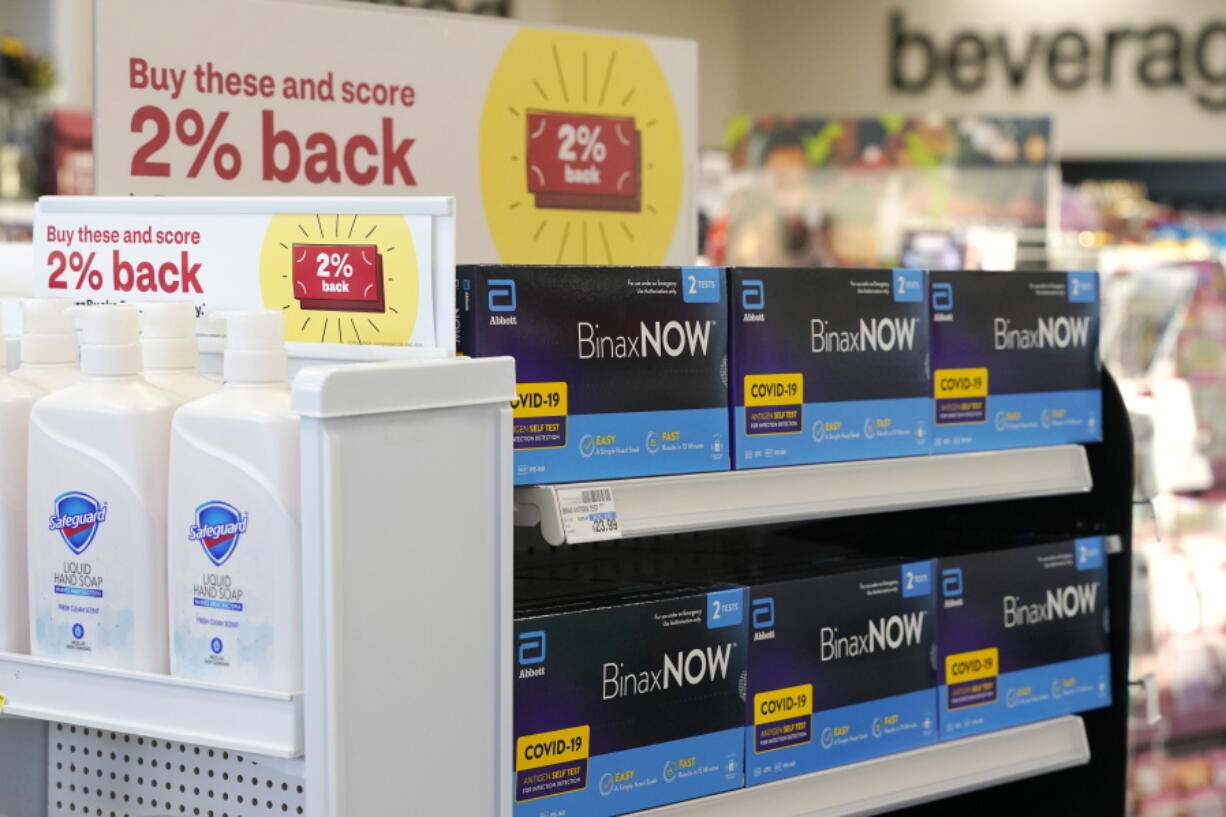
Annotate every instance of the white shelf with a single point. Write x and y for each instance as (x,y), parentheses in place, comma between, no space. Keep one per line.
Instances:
(156,706)
(689,502)
(907,779)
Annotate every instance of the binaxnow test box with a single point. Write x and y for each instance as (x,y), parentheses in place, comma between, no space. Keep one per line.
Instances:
(1014,359)
(828,365)
(621,371)
(629,703)
(1022,635)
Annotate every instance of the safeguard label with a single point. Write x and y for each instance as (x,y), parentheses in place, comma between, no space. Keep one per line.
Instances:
(971,678)
(961,395)
(551,763)
(539,415)
(782,718)
(774,403)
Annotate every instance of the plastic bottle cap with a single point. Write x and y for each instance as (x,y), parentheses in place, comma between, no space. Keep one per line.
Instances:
(47,334)
(110,339)
(168,335)
(255,347)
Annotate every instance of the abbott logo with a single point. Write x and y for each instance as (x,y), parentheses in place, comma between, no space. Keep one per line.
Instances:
(753,294)
(951,582)
(501,295)
(763,613)
(943,297)
(532,648)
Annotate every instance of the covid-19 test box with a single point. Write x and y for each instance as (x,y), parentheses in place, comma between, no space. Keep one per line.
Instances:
(629,704)
(1022,635)
(840,669)
(1014,359)
(620,371)
(828,365)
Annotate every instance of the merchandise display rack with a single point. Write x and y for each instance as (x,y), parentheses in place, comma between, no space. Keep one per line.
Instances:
(408,514)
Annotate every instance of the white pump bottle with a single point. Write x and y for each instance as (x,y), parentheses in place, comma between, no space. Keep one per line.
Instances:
(97,505)
(16,399)
(48,344)
(168,347)
(235,553)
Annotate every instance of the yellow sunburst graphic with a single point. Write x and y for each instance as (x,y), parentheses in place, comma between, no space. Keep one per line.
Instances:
(341,278)
(580,151)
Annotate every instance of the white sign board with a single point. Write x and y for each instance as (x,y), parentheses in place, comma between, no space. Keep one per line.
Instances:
(560,146)
(342,270)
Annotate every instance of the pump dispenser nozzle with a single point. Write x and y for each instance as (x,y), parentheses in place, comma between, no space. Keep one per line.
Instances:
(168,335)
(46,331)
(255,347)
(110,340)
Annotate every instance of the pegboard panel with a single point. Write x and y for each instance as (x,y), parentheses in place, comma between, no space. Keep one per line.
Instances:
(97,773)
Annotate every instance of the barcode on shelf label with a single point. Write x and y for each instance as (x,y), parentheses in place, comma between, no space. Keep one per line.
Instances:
(588,514)
(597,495)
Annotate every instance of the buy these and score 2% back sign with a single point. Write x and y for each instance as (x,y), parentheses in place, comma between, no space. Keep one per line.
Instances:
(175,139)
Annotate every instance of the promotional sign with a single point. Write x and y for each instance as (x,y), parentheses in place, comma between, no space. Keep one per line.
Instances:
(560,146)
(343,270)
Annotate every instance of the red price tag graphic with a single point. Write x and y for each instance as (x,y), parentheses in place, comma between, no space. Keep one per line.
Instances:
(584,162)
(338,277)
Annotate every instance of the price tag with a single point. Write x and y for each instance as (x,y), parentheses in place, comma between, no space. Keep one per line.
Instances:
(3,700)
(588,514)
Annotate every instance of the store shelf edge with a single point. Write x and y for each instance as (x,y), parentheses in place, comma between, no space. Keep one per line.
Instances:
(907,779)
(674,504)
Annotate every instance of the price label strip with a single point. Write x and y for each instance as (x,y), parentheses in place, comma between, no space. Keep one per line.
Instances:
(588,514)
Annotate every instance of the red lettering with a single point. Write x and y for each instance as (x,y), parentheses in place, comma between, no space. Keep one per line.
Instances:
(189,276)
(138,73)
(321,166)
(395,159)
(273,139)
(366,176)
(121,273)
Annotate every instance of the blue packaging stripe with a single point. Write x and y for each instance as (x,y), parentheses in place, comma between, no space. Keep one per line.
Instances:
(860,435)
(1033,694)
(850,734)
(218,605)
(1024,420)
(650,776)
(67,590)
(631,444)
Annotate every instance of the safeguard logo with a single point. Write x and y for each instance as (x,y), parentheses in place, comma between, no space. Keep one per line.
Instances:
(218,526)
(77,516)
